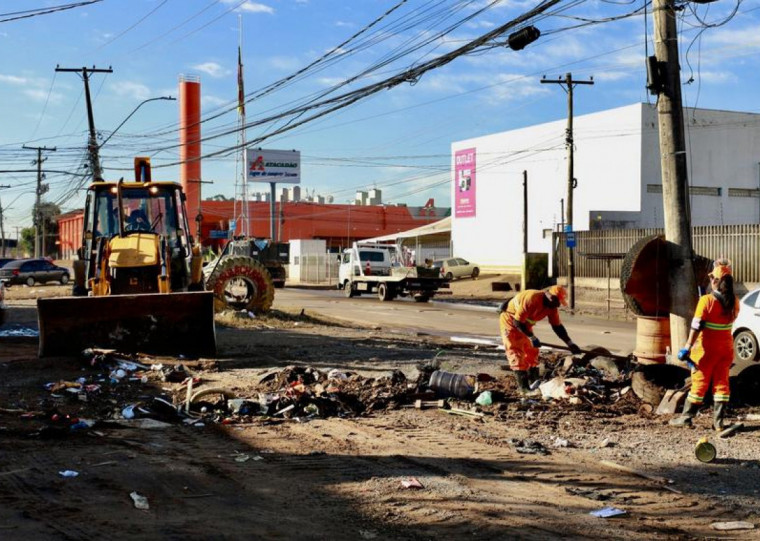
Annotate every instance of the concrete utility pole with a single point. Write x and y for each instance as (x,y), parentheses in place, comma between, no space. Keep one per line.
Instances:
(567,85)
(41,189)
(524,277)
(92,145)
(665,81)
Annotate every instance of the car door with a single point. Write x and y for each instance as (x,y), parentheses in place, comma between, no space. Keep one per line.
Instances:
(464,266)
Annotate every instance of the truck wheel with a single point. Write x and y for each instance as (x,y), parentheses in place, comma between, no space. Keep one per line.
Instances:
(348,289)
(241,283)
(385,292)
(421,298)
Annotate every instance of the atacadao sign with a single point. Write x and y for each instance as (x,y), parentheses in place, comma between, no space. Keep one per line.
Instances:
(273,165)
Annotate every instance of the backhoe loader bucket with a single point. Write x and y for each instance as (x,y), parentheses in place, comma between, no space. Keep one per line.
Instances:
(168,324)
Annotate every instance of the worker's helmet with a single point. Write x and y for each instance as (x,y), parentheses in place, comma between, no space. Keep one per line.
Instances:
(721,268)
(559,292)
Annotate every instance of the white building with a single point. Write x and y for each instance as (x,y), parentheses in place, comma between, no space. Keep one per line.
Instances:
(617,167)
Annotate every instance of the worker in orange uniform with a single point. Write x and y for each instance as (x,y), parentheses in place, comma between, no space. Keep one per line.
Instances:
(516,322)
(709,349)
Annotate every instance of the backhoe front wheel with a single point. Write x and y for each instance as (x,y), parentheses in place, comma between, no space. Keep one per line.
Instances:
(241,283)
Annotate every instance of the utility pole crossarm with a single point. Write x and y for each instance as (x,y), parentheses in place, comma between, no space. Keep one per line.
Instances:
(567,84)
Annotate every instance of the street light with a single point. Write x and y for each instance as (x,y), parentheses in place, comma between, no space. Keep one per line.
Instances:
(132,113)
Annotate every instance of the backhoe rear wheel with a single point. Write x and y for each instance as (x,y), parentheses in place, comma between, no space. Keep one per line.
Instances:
(241,283)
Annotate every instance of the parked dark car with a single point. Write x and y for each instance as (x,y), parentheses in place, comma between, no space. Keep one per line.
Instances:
(31,271)
(3,308)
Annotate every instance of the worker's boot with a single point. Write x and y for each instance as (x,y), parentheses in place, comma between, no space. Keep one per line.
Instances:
(521,376)
(533,377)
(719,411)
(685,419)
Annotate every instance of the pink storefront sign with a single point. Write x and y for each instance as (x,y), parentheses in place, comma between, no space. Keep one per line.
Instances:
(464,183)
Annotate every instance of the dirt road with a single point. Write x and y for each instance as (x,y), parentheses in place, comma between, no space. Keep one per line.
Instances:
(504,475)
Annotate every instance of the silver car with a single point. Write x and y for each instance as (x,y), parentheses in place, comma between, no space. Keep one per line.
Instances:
(456,267)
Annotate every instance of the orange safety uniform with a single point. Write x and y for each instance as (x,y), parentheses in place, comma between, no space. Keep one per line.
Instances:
(528,308)
(713,351)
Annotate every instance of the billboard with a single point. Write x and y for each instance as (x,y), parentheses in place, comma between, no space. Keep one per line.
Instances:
(464,183)
(273,165)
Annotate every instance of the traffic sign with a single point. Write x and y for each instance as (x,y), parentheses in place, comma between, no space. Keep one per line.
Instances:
(570,239)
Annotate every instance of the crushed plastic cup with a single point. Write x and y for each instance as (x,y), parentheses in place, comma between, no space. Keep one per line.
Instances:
(141,502)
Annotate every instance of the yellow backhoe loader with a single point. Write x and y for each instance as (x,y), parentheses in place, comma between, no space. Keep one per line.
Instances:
(138,284)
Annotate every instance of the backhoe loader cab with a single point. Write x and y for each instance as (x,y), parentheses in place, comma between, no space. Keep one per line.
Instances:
(138,284)
(149,232)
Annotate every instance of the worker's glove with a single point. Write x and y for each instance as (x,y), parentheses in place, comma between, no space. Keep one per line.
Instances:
(683,355)
(574,349)
(535,342)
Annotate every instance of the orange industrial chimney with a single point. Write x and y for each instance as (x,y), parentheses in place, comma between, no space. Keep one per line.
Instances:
(190,144)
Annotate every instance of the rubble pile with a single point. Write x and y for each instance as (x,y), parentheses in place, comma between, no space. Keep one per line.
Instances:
(303,392)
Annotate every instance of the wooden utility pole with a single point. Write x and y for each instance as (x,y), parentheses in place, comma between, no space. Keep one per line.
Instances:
(567,85)
(92,145)
(41,189)
(665,81)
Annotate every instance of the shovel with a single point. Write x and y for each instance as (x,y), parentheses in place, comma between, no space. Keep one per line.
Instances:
(672,400)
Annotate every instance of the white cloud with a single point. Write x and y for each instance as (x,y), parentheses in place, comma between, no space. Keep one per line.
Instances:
(344,24)
(13,79)
(251,7)
(329,81)
(716,77)
(213,101)
(212,68)
(42,95)
(137,91)
(285,63)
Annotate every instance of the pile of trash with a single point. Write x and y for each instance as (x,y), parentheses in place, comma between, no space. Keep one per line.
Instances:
(304,393)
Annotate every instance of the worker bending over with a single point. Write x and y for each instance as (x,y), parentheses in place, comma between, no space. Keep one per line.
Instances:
(709,350)
(516,321)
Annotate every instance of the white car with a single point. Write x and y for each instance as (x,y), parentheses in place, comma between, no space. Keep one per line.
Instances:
(746,331)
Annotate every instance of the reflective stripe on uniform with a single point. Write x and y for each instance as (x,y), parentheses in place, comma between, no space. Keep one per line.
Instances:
(719,397)
(695,399)
(718,326)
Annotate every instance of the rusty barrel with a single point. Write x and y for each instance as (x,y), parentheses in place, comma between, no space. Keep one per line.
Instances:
(652,339)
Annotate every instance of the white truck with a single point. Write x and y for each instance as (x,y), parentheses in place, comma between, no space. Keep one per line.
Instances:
(385,270)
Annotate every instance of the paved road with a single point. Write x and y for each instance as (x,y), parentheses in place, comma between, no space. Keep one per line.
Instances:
(449,319)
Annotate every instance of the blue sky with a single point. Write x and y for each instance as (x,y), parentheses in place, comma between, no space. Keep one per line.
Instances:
(397,139)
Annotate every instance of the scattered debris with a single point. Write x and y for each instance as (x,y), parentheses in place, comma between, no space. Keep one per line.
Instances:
(731,429)
(411,482)
(733,525)
(705,451)
(484,399)
(608,512)
(68,473)
(141,502)
(528,447)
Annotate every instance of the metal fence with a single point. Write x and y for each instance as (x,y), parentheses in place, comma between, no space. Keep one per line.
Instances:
(315,269)
(739,243)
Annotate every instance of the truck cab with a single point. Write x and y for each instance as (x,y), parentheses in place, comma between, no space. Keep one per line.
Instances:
(366,261)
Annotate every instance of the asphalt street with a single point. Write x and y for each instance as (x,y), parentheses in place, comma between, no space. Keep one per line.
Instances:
(441,318)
